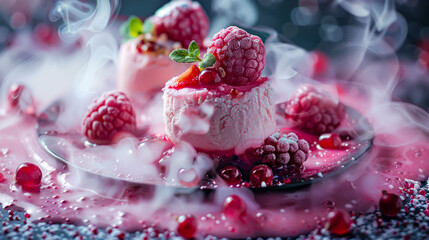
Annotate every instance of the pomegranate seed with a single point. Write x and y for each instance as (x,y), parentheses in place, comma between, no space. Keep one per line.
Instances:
(187,225)
(1,178)
(29,176)
(234,207)
(390,204)
(339,222)
(139,46)
(330,141)
(231,175)
(208,77)
(260,175)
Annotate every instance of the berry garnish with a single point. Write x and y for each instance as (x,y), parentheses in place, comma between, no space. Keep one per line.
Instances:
(187,79)
(109,114)
(330,141)
(28,176)
(183,21)
(209,77)
(390,204)
(231,175)
(339,222)
(281,149)
(261,176)
(187,225)
(234,207)
(240,54)
(314,111)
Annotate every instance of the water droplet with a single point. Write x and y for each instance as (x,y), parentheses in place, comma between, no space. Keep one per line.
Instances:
(188,178)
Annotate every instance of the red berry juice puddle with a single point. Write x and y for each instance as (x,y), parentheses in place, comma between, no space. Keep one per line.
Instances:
(68,194)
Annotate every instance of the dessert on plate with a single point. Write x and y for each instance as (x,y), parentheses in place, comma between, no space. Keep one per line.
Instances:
(143,62)
(229,94)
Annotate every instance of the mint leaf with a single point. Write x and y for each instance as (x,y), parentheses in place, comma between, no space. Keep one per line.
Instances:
(194,49)
(208,61)
(135,26)
(147,26)
(182,56)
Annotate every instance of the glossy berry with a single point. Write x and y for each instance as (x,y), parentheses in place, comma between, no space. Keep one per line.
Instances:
(231,175)
(339,222)
(234,207)
(261,175)
(209,77)
(240,54)
(187,226)
(390,204)
(1,178)
(28,176)
(282,149)
(106,116)
(314,111)
(330,141)
(182,21)
(187,79)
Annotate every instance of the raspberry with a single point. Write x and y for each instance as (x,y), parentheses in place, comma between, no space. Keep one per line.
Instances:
(283,149)
(108,115)
(240,54)
(314,111)
(182,21)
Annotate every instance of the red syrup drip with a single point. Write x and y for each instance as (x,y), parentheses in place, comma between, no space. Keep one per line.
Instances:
(69,195)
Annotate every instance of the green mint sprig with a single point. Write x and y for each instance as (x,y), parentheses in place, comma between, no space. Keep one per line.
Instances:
(134,27)
(192,54)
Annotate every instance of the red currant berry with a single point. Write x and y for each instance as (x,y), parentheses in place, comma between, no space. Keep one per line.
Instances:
(339,222)
(231,175)
(234,207)
(208,77)
(390,204)
(187,226)
(29,176)
(330,141)
(261,175)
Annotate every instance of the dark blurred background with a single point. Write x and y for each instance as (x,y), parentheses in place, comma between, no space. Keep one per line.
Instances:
(307,29)
(310,24)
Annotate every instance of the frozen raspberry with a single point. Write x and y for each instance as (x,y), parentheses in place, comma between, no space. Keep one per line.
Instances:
(240,54)
(182,21)
(283,149)
(314,111)
(108,115)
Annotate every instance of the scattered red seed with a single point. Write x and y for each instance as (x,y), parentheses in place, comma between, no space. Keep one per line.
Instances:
(234,207)
(329,141)
(29,176)
(187,226)
(261,174)
(339,222)
(231,175)
(390,204)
